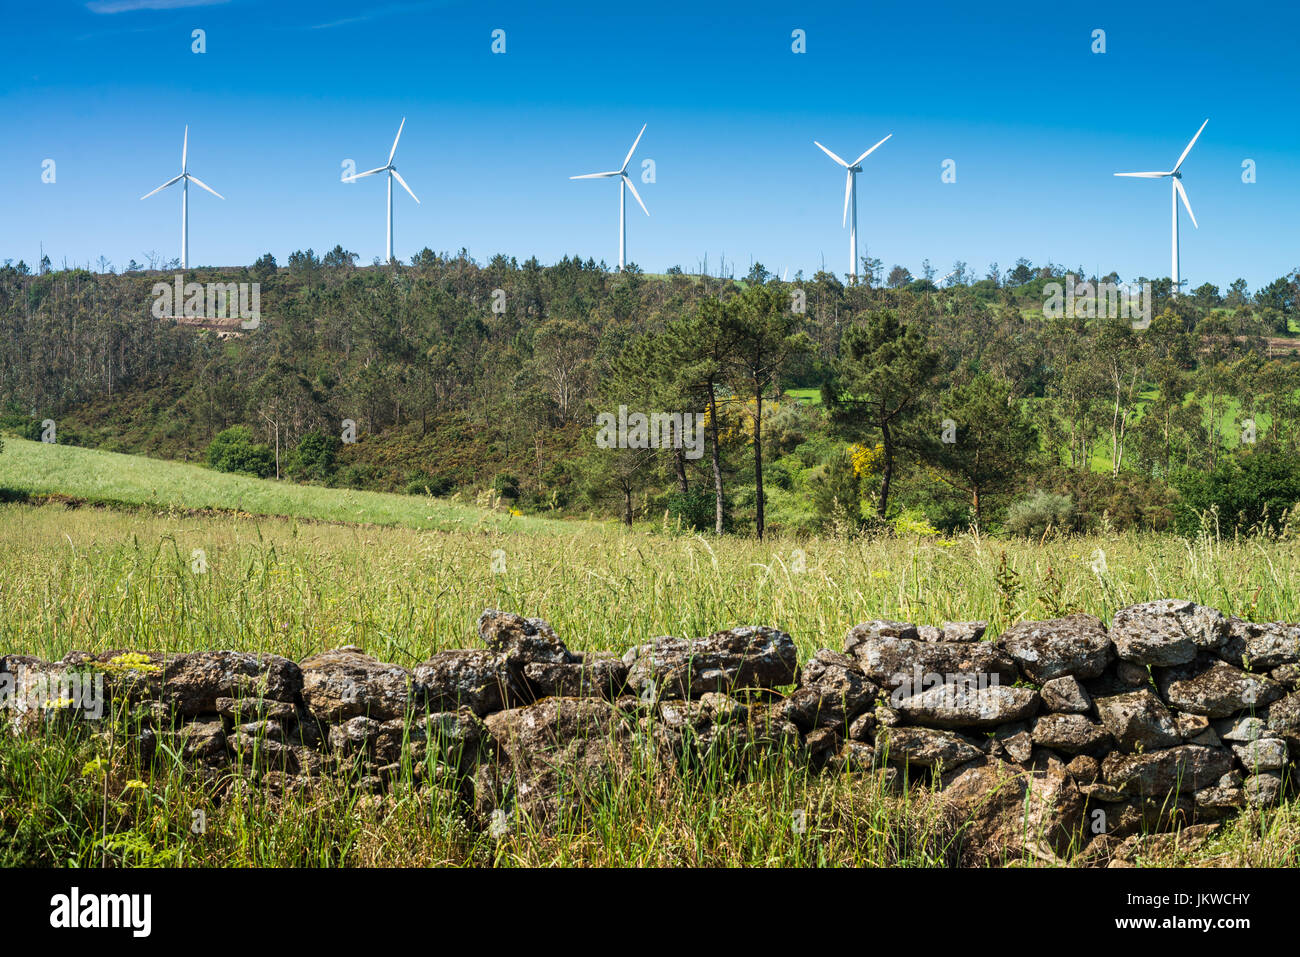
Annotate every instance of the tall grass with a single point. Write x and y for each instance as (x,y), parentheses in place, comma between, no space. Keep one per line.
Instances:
(99,579)
(94,580)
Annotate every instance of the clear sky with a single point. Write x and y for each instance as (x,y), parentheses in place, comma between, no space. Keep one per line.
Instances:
(1035,122)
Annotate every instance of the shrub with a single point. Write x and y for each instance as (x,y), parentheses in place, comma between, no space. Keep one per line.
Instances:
(423,483)
(506,485)
(1033,514)
(695,507)
(234,450)
(1249,489)
(315,458)
(1113,502)
(837,492)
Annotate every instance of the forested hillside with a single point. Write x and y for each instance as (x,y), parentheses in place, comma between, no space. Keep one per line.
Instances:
(893,402)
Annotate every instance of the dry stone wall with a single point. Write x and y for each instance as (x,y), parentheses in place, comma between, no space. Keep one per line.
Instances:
(1057,734)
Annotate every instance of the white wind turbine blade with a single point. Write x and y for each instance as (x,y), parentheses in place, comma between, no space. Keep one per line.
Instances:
(398,176)
(185,149)
(627,179)
(848,190)
(393,151)
(369,172)
(830,154)
(1144,175)
(198,182)
(1178,185)
(633,149)
(174,179)
(617,172)
(870,151)
(1189,147)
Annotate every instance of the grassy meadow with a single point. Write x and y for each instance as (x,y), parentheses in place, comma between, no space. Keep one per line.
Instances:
(96,577)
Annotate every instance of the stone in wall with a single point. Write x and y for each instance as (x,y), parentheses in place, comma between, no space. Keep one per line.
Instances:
(1176,716)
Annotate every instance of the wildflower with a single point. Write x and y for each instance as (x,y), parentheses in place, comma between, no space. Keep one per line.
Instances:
(130,661)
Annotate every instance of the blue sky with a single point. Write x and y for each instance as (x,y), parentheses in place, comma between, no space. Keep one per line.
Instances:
(1035,122)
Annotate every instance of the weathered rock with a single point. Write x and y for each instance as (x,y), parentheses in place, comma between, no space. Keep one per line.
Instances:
(754,656)
(893,662)
(1070,734)
(1138,721)
(202,740)
(259,755)
(1260,646)
(1007,814)
(863,727)
(1190,725)
(1131,675)
(957,705)
(1012,742)
(1167,632)
(127,676)
(355,735)
(521,640)
(558,748)
(767,729)
(1067,695)
(683,715)
(1142,814)
(929,633)
(1284,718)
(963,630)
(263,728)
(925,747)
(1263,789)
(1185,768)
(1159,847)
(1214,688)
(854,758)
(1084,768)
(878,628)
(821,746)
(192,682)
(454,738)
(1222,796)
(1265,754)
(600,677)
(1288,676)
(240,710)
(1248,727)
(344,683)
(832,692)
(1076,645)
(475,679)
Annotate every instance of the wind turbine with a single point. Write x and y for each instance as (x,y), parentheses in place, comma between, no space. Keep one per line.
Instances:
(625,183)
(1177,194)
(185,178)
(851,199)
(391,169)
